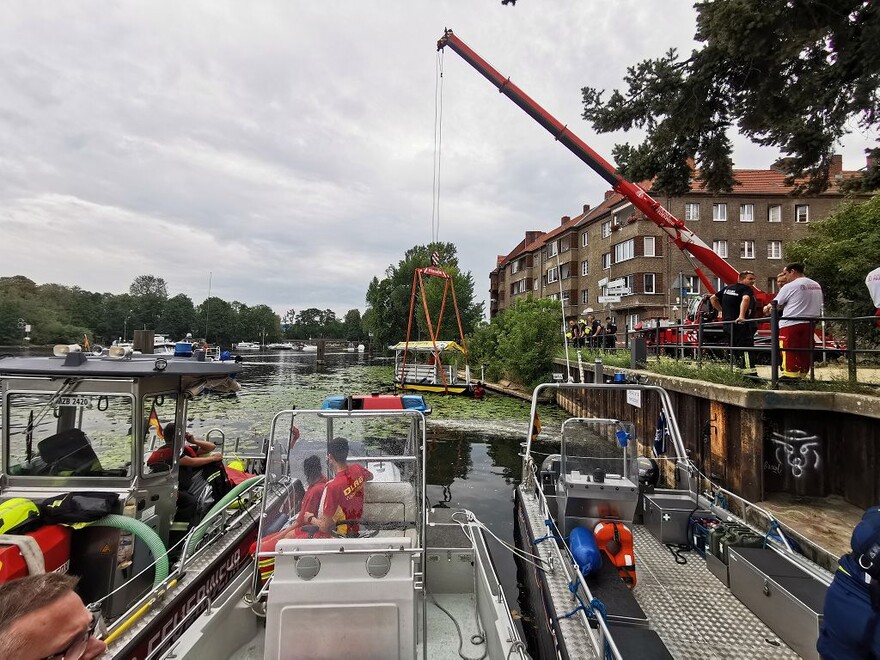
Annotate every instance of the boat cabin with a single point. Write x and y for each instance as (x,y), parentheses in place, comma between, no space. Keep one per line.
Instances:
(86,423)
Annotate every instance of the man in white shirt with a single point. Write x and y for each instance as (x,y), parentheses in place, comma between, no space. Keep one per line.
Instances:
(800,300)
(872,281)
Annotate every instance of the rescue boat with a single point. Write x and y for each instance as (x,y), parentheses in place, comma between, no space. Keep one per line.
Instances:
(635,554)
(78,433)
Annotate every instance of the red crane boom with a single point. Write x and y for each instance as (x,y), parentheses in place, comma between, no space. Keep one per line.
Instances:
(686,240)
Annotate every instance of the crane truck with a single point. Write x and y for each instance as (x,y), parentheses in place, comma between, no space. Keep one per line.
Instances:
(700,255)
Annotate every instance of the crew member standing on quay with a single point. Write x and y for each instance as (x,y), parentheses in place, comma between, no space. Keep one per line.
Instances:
(736,302)
(872,281)
(800,300)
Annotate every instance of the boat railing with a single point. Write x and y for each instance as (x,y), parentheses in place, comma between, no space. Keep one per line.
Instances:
(600,636)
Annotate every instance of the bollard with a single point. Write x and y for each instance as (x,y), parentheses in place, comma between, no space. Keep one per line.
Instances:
(638,356)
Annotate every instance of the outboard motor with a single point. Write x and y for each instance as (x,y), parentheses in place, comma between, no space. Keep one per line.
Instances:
(649,477)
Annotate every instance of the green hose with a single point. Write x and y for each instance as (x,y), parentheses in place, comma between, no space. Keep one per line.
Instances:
(145,534)
(224,502)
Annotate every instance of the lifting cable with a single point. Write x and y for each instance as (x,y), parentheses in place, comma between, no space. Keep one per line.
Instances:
(438,143)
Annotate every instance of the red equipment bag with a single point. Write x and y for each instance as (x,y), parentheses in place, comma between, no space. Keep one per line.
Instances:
(54,541)
(616,541)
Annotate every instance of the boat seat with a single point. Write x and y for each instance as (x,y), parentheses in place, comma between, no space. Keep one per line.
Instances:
(390,503)
(69,453)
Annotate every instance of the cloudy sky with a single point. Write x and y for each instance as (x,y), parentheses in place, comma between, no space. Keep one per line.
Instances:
(287,148)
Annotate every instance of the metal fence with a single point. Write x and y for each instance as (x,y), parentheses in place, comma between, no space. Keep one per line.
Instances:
(837,340)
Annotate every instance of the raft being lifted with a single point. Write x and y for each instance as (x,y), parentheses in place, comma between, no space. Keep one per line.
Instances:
(431,365)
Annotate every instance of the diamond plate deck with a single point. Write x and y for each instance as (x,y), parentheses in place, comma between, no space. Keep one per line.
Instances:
(573,629)
(694,614)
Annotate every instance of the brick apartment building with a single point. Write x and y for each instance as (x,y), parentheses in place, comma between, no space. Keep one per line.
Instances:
(748,227)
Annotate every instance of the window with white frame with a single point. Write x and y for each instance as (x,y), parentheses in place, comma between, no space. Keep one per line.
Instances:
(585,296)
(692,284)
(552,248)
(585,267)
(629,282)
(720,248)
(514,267)
(631,321)
(565,271)
(718,284)
(649,283)
(552,275)
(624,251)
(518,287)
(746,212)
(772,285)
(650,249)
(774,249)
(691,211)
(606,260)
(774,213)
(719,212)
(747,250)
(535,283)
(584,240)
(565,297)
(801,212)
(606,229)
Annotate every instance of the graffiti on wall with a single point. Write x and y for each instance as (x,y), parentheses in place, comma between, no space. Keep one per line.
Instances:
(797,451)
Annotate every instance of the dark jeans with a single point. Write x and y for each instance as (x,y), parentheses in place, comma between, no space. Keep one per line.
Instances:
(743,338)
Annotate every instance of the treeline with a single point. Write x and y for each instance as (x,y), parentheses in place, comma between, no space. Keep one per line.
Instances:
(56,313)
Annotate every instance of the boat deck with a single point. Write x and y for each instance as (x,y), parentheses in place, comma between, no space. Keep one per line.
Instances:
(694,614)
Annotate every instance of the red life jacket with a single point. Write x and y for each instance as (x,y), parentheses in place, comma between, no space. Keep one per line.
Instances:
(616,540)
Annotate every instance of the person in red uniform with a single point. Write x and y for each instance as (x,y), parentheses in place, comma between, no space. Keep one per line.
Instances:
(300,529)
(344,495)
(311,501)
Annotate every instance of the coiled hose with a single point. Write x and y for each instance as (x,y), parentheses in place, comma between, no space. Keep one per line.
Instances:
(145,534)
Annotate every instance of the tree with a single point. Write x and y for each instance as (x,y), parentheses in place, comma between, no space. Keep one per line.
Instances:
(796,75)
(388,300)
(519,343)
(838,252)
(351,327)
(178,317)
(149,285)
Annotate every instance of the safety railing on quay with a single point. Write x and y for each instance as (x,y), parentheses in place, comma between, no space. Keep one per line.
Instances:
(852,342)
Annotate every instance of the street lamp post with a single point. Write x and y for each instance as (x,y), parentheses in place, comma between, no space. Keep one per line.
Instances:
(125,327)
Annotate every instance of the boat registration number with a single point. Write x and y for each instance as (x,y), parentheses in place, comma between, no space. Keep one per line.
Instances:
(75,401)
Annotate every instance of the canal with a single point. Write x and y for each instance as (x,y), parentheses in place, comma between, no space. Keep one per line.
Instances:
(473,446)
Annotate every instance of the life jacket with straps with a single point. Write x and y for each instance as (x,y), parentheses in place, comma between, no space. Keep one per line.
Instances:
(616,540)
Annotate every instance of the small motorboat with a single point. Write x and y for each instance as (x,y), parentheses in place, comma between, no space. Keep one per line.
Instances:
(401,582)
(247,346)
(377,402)
(281,346)
(635,554)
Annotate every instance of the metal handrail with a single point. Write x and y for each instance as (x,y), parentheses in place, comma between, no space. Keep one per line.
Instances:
(605,636)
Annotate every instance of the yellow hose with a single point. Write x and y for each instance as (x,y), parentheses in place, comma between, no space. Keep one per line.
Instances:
(130,621)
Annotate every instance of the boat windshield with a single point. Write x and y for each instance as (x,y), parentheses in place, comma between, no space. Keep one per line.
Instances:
(599,450)
(75,435)
(385,451)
